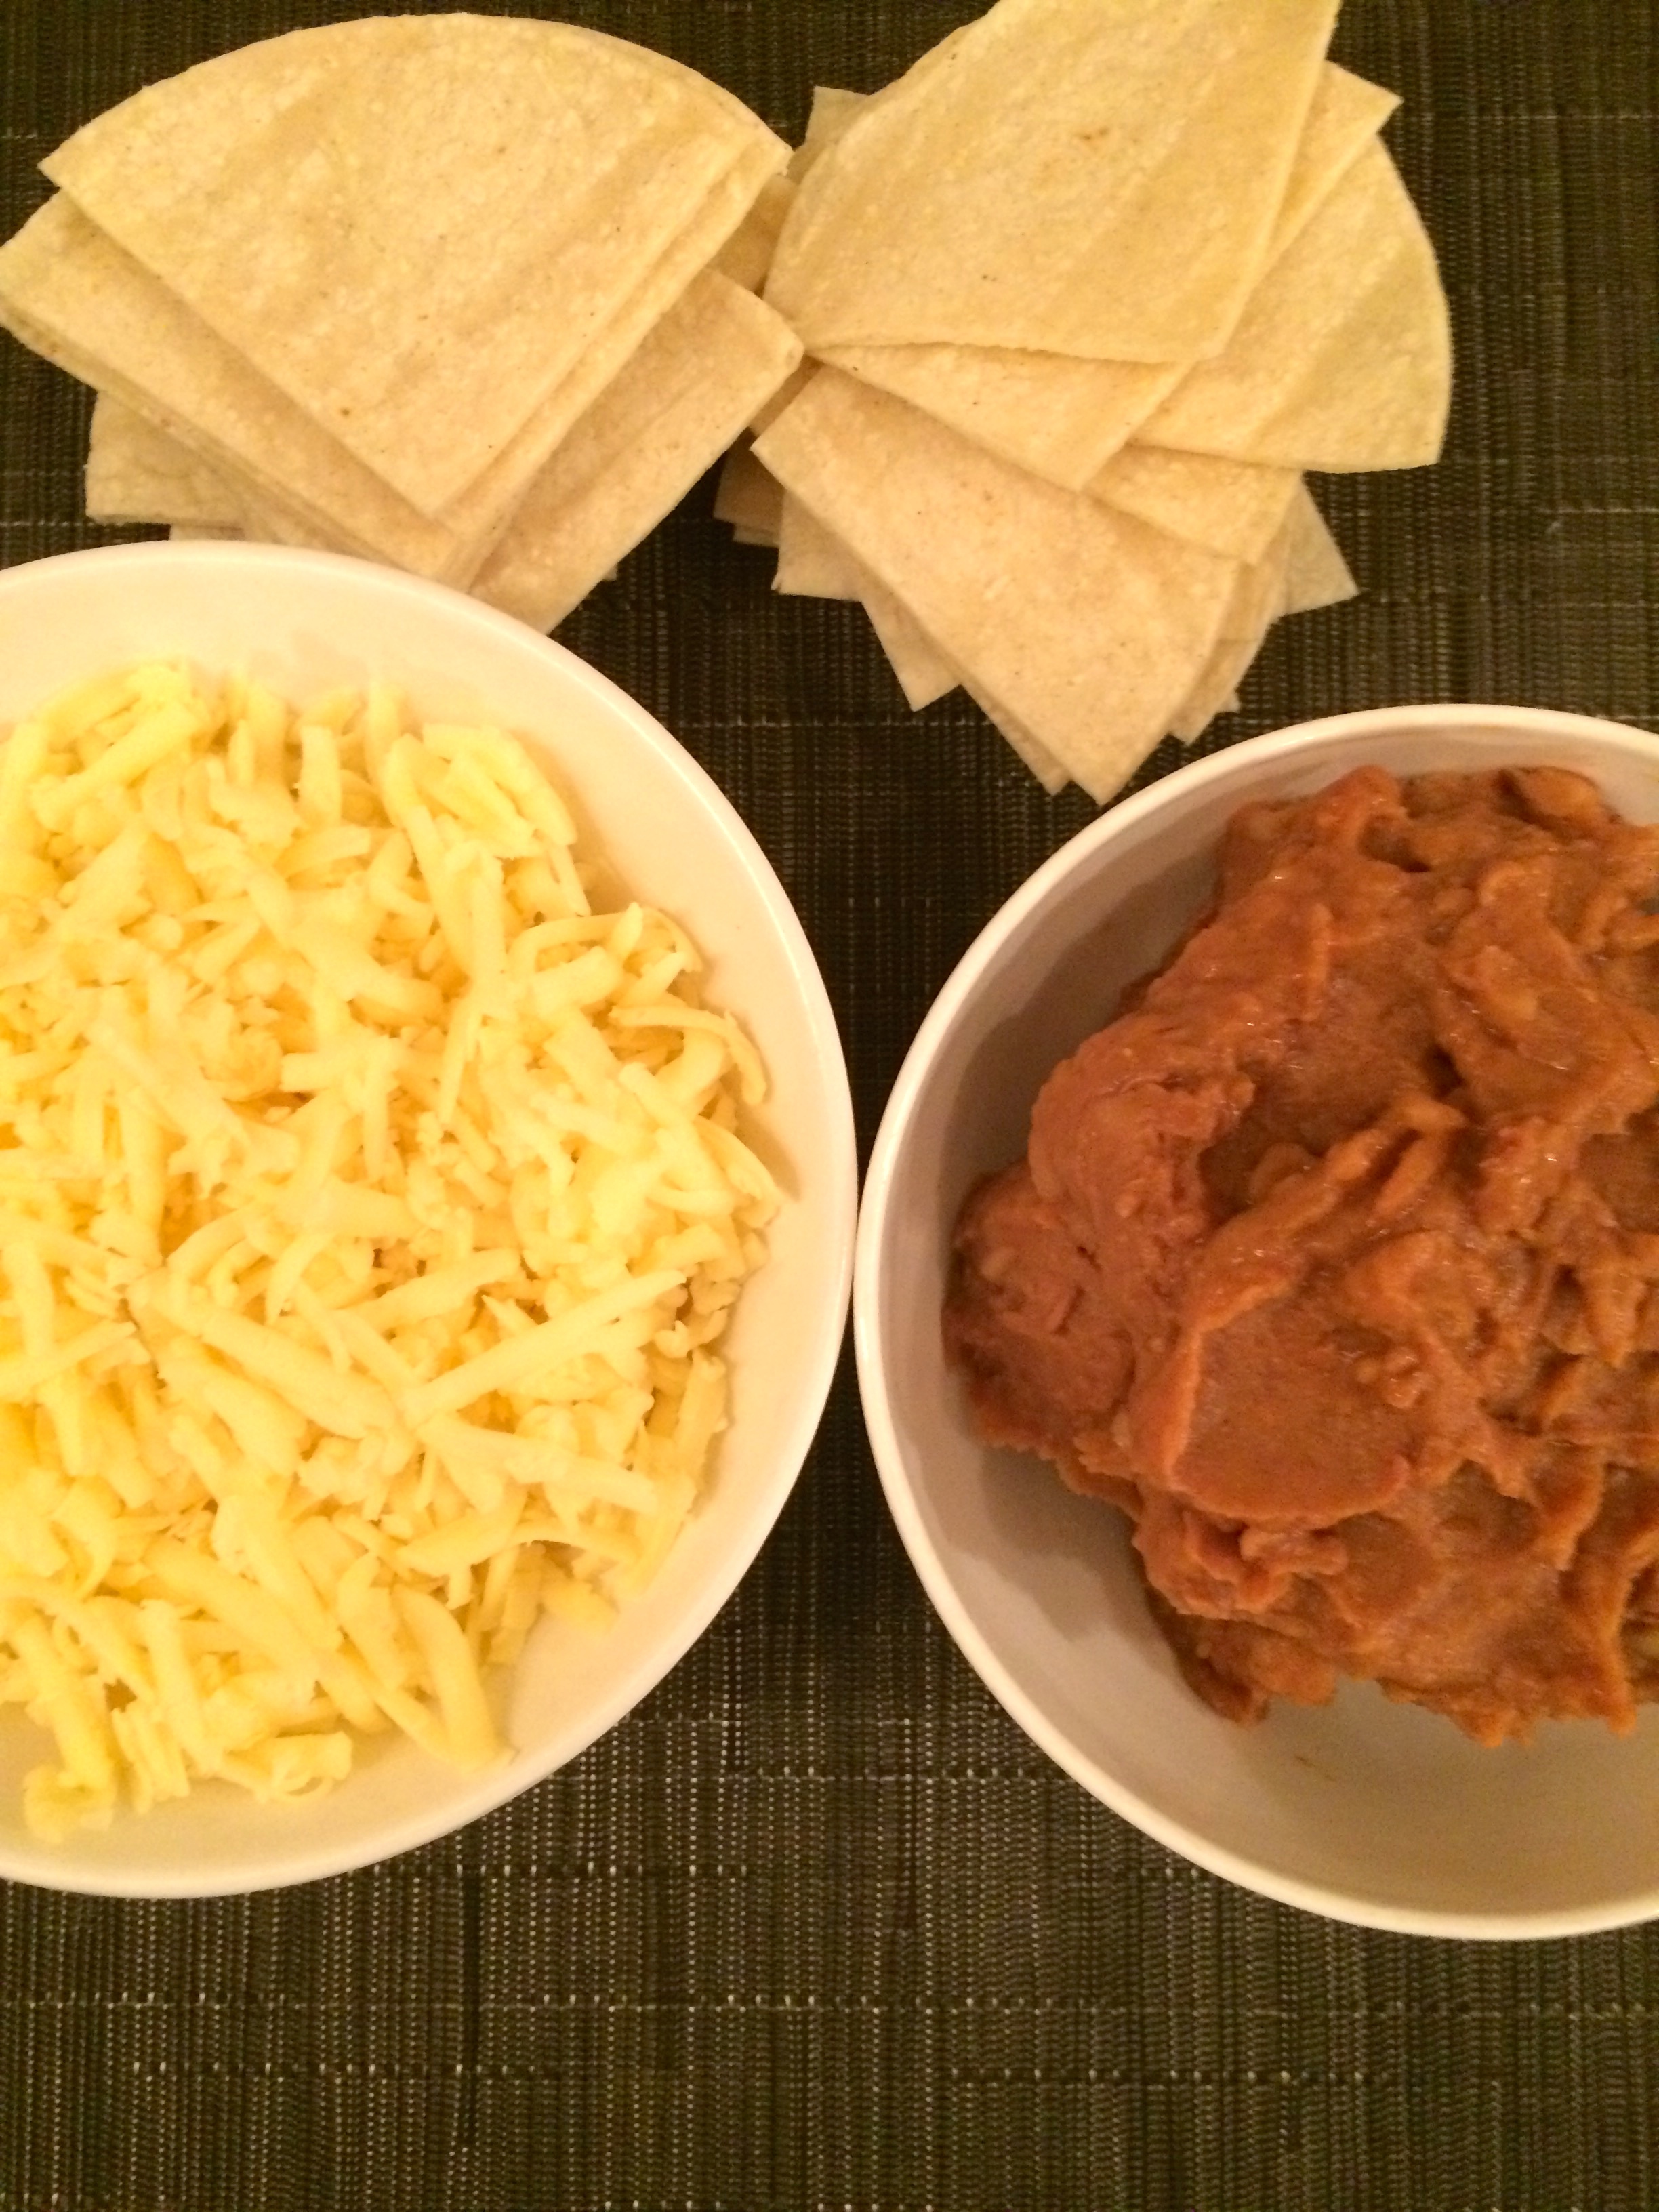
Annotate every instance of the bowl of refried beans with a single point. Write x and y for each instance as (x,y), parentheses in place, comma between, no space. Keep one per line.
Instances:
(1257,1314)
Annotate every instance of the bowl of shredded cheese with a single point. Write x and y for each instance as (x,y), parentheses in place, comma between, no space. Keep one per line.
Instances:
(427,1193)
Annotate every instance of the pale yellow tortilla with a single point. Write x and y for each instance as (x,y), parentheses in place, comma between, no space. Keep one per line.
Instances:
(833,108)
(1065,419)
(753,501)
(636,55)
(1343,359)
(1302,569)
(1346,112)
(1087,627)
(476,519)
(922,672)
(1346,115)
(746,256)
(747,498)
(1316,572)
(143,474)
(1092,177)
(831,112)
(136,473)
(72,295)
(812,561)
(414,227)
(682,399)
(1059,417)
(1050,772)
(1257,601)
(779,400)
(1232,507)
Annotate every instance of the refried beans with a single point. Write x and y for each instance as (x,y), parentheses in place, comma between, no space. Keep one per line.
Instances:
(1332,1260)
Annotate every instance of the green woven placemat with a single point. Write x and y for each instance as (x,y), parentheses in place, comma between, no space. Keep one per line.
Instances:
(817,1926)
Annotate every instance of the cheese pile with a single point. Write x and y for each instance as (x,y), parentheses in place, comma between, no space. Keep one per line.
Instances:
(467,295)
(1086,292)
(369,1206)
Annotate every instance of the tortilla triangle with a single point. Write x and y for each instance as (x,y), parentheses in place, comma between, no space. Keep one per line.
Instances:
(671,414)
(1343,359)
(1065,418)
(1232,507)
(414,293)
(1087,627)
(1035,188)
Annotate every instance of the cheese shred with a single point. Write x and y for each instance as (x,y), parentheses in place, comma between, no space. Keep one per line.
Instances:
(370,1212)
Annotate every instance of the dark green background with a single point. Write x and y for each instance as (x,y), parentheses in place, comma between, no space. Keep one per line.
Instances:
(817,1926)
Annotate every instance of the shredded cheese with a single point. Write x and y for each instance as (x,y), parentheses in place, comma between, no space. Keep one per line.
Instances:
(369,1210)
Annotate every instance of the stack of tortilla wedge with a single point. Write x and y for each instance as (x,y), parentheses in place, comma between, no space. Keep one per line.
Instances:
(472,295)
(1086,291)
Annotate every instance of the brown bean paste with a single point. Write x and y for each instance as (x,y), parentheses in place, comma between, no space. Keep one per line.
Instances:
(1333,1260)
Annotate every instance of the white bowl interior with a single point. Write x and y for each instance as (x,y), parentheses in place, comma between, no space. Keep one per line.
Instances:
(304,622)
(1364,1810)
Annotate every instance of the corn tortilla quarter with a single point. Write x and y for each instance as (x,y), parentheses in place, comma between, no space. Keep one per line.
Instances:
(748,498)
(1347,111)
(1232,507)
(479,516)
(1346,115)
(1051,774)
(72,293)
(1093,177)
(1059,417)
(636,55)
(812,561)
(141,461)
(1216,692)
(1343,359)
(136,473)
(922,672)
(412,226)
(832,110)
(1065,419)
(747,254)
(780,399)
(1315,573)
(260,514)
(1256,602)
(1088,627)
(1302,570)
(682,399)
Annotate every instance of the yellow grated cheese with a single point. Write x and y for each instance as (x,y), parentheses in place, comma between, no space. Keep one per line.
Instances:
(367,1205)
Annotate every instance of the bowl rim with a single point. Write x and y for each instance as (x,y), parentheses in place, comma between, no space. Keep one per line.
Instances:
(892,1459)
(838,1169)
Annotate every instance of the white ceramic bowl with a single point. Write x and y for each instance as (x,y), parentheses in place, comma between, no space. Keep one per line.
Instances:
(303,622)
(1378,1814)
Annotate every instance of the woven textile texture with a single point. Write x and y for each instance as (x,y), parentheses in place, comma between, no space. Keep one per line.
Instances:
(817,1926)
